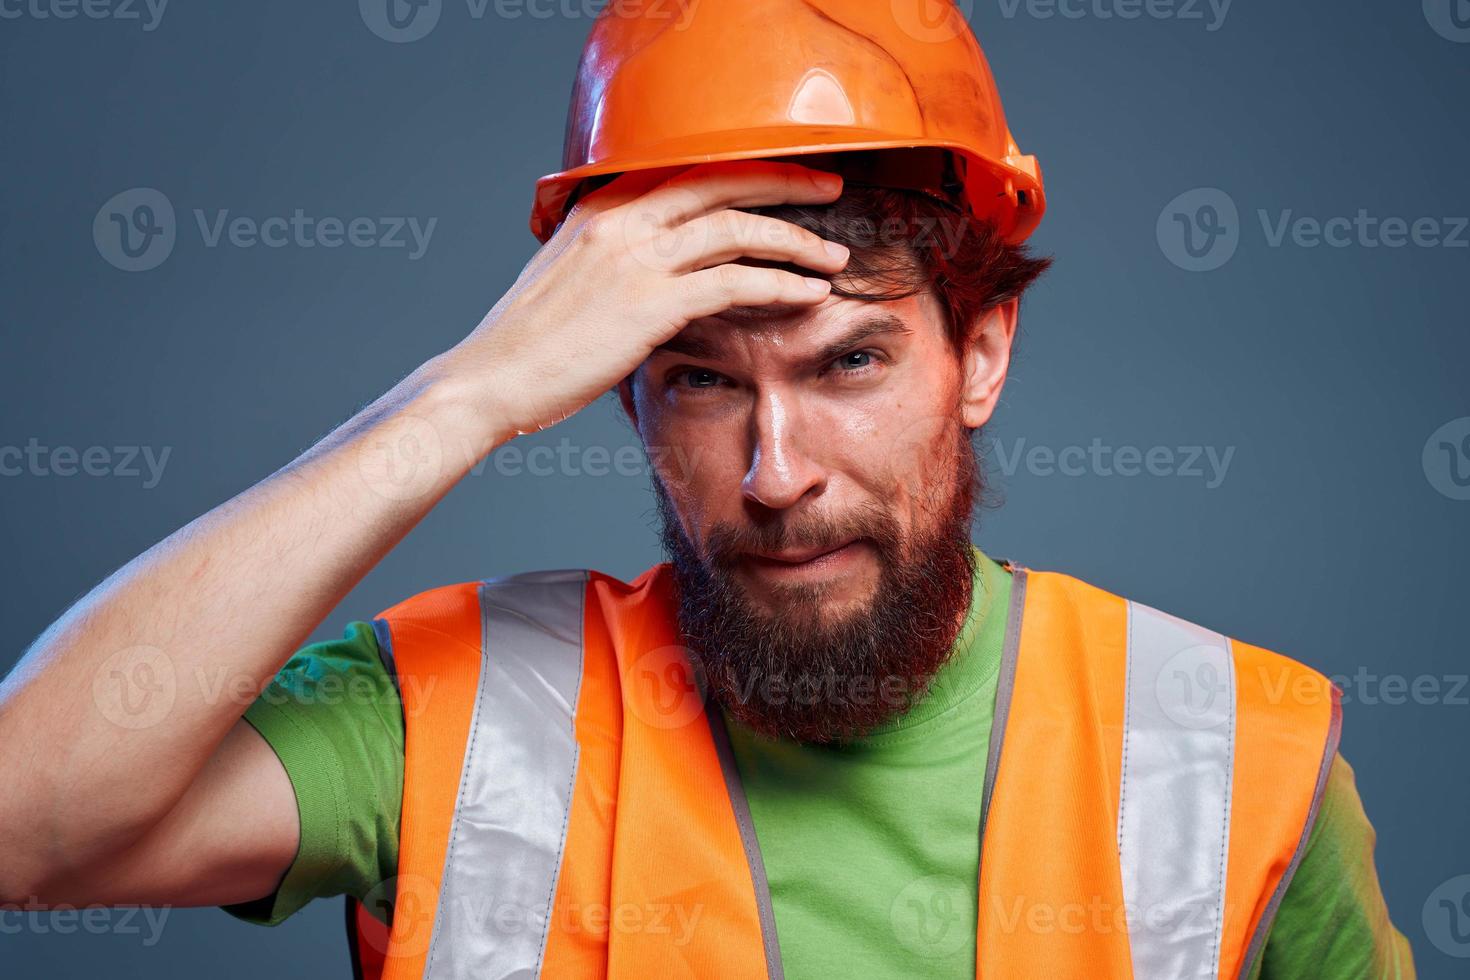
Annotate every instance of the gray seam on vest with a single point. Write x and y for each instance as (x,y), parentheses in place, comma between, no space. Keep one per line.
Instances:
(1225,820)
(1263,928)
(464,778)
(572,775)
(1127,710)
(738,802)
(1005,686)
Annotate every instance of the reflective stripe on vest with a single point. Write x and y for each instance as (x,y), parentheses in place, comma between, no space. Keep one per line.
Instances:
(1174,793)
(515,794)
(571,810)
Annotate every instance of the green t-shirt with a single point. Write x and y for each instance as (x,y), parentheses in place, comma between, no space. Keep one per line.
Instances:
(870,848)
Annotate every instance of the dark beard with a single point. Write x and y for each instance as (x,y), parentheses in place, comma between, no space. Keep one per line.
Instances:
(814,677)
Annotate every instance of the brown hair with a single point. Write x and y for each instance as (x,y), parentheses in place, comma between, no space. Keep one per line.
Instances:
(903,242)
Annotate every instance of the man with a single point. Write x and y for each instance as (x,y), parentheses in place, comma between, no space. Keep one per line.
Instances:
(829,737)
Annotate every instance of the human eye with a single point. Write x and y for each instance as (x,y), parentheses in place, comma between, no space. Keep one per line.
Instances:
(695,379)
(857,363)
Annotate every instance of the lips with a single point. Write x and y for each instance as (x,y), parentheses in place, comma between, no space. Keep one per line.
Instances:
(799,556)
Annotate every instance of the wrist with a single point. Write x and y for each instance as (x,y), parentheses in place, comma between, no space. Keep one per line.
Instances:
(466,410)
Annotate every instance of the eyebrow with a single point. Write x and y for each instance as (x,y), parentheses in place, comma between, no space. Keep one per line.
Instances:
(866,328)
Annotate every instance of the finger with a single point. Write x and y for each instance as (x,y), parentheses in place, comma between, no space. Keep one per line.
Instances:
(625,187)
(711,291)
(725,235)
(709,187)
(622,189)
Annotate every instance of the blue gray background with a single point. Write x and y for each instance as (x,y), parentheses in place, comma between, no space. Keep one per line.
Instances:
(1337,534)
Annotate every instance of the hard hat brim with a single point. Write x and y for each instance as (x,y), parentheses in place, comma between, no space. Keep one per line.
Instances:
(1007,192)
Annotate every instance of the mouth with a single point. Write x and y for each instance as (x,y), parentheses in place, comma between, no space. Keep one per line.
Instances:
(805,561)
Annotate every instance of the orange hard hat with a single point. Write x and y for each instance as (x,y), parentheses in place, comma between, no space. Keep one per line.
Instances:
(896,92)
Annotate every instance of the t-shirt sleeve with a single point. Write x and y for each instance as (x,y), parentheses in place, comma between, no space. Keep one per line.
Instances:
(333,717)
(1333,921)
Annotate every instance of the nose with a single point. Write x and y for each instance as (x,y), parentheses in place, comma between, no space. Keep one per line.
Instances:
(781,473)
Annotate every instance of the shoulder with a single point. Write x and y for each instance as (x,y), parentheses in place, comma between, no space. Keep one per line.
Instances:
(465,600)
(354,658)
(447,600)
(1194,673)
(1138,622)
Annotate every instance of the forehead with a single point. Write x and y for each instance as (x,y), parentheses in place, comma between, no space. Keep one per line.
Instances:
(799,332)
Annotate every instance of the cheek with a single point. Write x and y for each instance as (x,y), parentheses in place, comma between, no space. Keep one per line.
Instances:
(906,445)
(698,462)
(858,441)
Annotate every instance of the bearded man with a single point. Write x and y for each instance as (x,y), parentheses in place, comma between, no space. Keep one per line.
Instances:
(829,736)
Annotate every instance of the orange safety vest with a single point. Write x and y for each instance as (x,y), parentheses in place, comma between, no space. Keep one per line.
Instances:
(567,798)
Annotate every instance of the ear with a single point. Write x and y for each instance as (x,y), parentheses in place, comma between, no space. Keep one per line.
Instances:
(987,358)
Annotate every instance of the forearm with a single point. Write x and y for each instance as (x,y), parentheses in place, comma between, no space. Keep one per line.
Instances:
(118,705)
(113,713)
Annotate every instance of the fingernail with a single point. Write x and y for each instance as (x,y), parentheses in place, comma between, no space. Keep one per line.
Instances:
(827,182)
(836,252)
(816,285)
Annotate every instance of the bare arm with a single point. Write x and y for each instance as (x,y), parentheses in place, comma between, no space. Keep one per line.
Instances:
(121,732)
(114,713)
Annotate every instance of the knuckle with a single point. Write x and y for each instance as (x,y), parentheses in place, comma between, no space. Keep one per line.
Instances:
(726,226)
(597,229)
(765,285)
(769,233)
(728,278)
(603,228)
(591,232)
(786,236)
